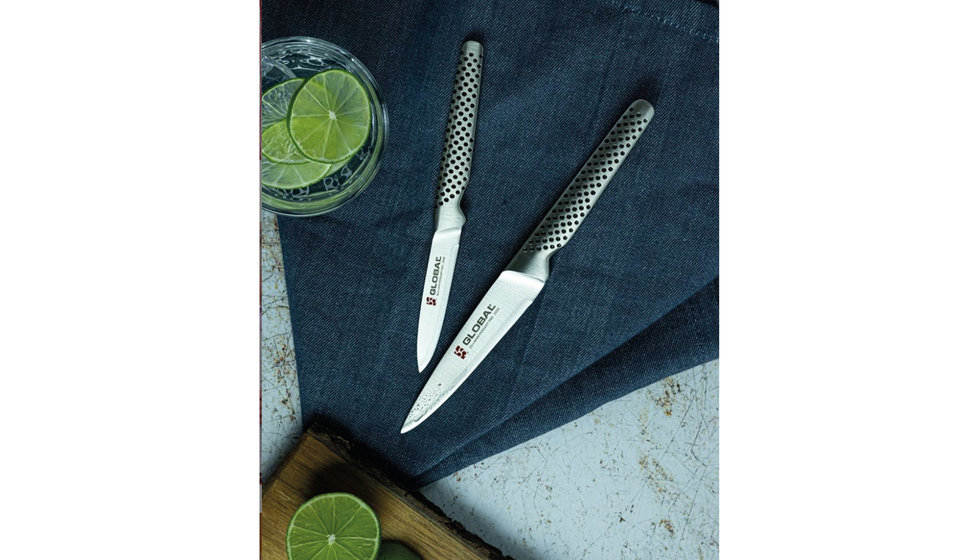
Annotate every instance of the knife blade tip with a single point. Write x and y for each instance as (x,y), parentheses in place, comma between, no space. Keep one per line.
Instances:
(408,426)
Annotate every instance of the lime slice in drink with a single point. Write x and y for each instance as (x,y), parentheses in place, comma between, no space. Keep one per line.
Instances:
(277,145)
(293,175)
(330,116)
(394,550)
(333,526)
(275,101)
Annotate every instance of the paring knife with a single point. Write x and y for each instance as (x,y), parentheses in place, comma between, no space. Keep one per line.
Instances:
(522,280)
(457,156)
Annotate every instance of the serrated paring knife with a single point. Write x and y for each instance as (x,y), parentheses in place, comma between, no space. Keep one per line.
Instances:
(522,280)
(457,156)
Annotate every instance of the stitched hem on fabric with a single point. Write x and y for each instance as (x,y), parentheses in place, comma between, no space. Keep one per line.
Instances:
(665,21)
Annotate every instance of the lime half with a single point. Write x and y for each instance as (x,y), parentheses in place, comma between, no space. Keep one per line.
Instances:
(293,175)
(333,527)
(330,116)
(277,145)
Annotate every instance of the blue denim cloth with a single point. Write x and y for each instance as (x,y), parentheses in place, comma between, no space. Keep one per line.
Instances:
(686,336)
(632,297)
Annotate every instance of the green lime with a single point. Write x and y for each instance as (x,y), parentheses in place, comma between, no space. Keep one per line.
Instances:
(393,550)
(293,175)
(333,527)
(277,145)
(275,101)
(330,116)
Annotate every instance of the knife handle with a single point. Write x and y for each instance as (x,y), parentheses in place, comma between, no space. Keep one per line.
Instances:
(457,152)
(565,217)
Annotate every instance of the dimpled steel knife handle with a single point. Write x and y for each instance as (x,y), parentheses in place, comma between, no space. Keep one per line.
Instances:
(457,154)
(577,201)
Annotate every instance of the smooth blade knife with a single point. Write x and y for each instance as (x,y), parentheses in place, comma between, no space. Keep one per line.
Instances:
(517,286)
(457,157)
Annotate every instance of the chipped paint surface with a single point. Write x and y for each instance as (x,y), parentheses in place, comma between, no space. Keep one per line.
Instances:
(636,478)
(281,419)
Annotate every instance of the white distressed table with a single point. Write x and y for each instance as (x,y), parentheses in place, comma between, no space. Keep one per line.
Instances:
(636,478)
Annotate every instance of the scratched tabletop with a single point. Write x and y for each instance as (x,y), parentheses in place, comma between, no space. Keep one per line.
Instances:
(636,478)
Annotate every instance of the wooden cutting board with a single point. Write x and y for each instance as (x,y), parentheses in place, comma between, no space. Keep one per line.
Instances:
(322,463)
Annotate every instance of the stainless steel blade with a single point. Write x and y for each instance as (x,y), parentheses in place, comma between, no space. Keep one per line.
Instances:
(527,272)
(457,157)
(497,312)
(442,262)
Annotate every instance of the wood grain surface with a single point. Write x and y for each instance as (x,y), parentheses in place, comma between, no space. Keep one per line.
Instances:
(321,463)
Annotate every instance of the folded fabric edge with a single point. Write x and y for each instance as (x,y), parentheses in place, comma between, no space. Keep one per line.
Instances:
(680,310)
(695,320)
